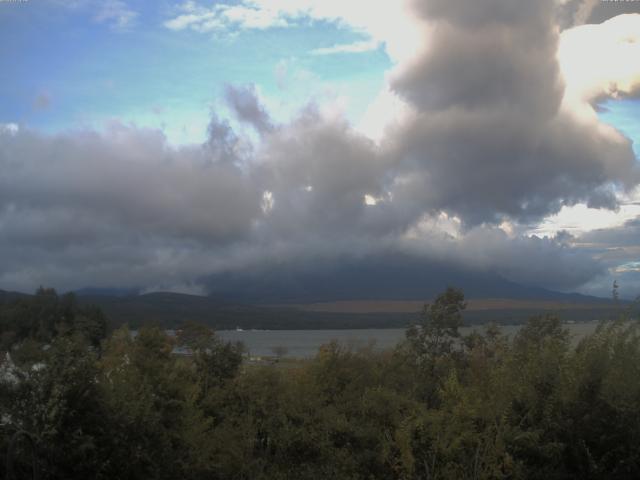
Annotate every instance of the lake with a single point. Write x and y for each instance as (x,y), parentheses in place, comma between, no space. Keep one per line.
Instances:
(305,343)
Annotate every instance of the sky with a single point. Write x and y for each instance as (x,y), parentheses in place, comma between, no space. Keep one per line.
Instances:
(151,144)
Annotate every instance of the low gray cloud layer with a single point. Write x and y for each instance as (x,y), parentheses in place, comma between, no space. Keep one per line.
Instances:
(488,141)
(618,250)
(579,12)
(130,178)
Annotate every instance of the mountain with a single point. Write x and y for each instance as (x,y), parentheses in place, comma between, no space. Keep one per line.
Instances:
(170,310)
(397,277)
(6,296)
(352,293)
(106,292)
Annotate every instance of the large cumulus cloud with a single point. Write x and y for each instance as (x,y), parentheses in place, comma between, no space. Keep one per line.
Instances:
(491,136)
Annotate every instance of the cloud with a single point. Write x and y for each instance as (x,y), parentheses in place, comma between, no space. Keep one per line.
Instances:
(580,219)
(575,12)
(618,250)
(9,128)
(117,14)
(598,60)
(124,208)
(389,23)
(200,22)
(355,47)
(319,171)
(94,197)
(120,207)
(494,132)
(222,16)
(550,261)
(491,135)
(603,11)
(281,71)
(247,108)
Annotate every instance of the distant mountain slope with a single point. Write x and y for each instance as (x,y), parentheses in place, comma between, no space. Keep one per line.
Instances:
(170,310)
(398,277)
(162,307)
(6,296)
(353,293)
(473,305)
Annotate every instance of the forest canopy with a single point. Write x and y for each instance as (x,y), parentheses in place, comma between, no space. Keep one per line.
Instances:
(76,402)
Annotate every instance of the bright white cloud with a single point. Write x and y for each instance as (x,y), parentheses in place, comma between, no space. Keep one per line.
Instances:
(199,22)
(10,128)
(579,219)
(597,62)
(225,16)
(355,47)
(384,112)
(601,60)
(117,14)
(387,22)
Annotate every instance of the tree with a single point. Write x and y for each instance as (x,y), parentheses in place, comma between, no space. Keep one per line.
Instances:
(540,331)
(146,391)
(216,361)
(57,403)
(438,329)
(431,342)
(44,316)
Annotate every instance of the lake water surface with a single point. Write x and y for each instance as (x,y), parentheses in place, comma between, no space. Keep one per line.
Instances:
(305,343)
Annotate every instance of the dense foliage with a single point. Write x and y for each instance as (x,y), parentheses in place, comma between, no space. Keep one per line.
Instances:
(439,406)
